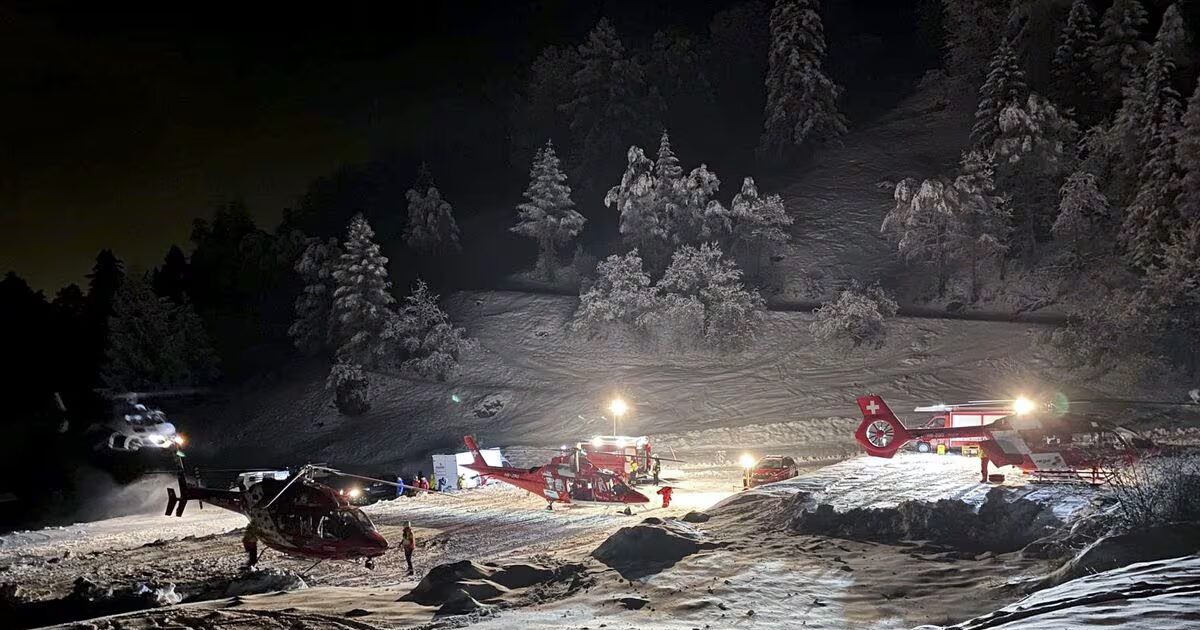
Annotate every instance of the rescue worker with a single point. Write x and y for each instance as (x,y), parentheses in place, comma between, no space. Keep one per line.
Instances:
(633,472)
(399,486)
(665,491)
(422,482)
(408,543)
(462,481)
(657,469)
(250,544)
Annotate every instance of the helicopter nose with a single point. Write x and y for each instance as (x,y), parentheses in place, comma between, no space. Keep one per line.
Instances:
(376,541)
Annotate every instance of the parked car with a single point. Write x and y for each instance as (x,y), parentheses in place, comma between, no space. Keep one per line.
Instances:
(770,469)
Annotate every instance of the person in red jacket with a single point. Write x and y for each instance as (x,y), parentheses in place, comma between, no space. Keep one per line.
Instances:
(665,491)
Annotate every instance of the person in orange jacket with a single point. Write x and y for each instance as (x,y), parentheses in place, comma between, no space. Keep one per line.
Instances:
(665,491)
(408,543)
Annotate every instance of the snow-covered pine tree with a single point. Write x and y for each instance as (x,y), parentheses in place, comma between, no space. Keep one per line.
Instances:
(1174,38)
(350,388)
(973,29)
(1035,146)
(700,280)
(362,299)
(985,215)
(1151,101)
(311,330)
(642,224)
(154,343)
(431,226)
(801,99)
(667,177)
(1004,86)
(699,216)
(1075,83)
(1120,50)
(612,104)
(1187,161)
(620,294)
(757,223)
(1084,217)
(927,225)
(432,346)
(857,318)
(1152,219)
(548,214)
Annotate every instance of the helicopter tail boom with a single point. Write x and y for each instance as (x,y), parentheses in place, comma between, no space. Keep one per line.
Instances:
(474,448)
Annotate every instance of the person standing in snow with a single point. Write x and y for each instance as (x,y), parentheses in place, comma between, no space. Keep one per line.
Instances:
(399,486)
(250,544)
(633,472)
(462,481)
(408,543)
(422,482)
(665,491)
(657,469)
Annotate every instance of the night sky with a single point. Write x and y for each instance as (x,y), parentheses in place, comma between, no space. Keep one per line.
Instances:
(121,126)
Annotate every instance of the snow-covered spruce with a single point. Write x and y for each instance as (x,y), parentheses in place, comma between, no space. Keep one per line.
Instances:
(702,290)
(350,388)
(642,222)
(548,215)
(1084,220)
(1004,86)
(362,301)
(611,103)
(857,318)
(1120,50)
(1174,38)
(311,330)
(801,98)
(431,345)
(1151,101)
(1187,160)
(1075,83)
(1035,151)
(431,226)
(757,223)
(1152,218)
(972,29)
(618,296)
(154,343)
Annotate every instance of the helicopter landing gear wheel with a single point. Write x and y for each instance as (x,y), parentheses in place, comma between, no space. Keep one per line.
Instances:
(923,447)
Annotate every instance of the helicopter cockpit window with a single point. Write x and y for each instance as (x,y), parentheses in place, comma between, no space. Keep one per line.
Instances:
(336,526)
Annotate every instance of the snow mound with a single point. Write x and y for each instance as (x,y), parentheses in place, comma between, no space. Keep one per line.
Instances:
(465,587)
(1163,594)
(1110,552)
(650,546)
(1000,525)
(268,580)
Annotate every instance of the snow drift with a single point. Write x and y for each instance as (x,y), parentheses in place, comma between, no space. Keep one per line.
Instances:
(999,525)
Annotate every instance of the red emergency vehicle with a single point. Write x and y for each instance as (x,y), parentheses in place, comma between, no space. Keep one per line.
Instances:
(970,414)
(621,454)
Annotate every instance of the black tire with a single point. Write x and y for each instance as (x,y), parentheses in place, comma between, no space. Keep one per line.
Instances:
(923,447)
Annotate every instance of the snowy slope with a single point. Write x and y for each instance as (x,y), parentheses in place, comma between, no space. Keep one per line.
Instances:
(1164,595)
(784,393)
(839,200)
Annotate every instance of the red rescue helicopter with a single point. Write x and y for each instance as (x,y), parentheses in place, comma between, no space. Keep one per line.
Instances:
(298,516)
(569,478)
(1038,441)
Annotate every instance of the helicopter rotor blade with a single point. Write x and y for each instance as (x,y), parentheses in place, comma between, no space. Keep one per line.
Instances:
(394,484)
(299,475)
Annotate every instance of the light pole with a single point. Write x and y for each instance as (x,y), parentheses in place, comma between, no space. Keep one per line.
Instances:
(618,408)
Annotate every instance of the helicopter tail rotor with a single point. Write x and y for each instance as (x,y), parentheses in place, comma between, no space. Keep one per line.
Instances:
(881,433)
(177,502)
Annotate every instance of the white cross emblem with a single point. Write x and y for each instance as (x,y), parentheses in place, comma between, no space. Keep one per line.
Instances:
(873,407)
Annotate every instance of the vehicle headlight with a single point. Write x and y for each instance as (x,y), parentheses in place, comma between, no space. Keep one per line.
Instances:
(178,440)
(355,493)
